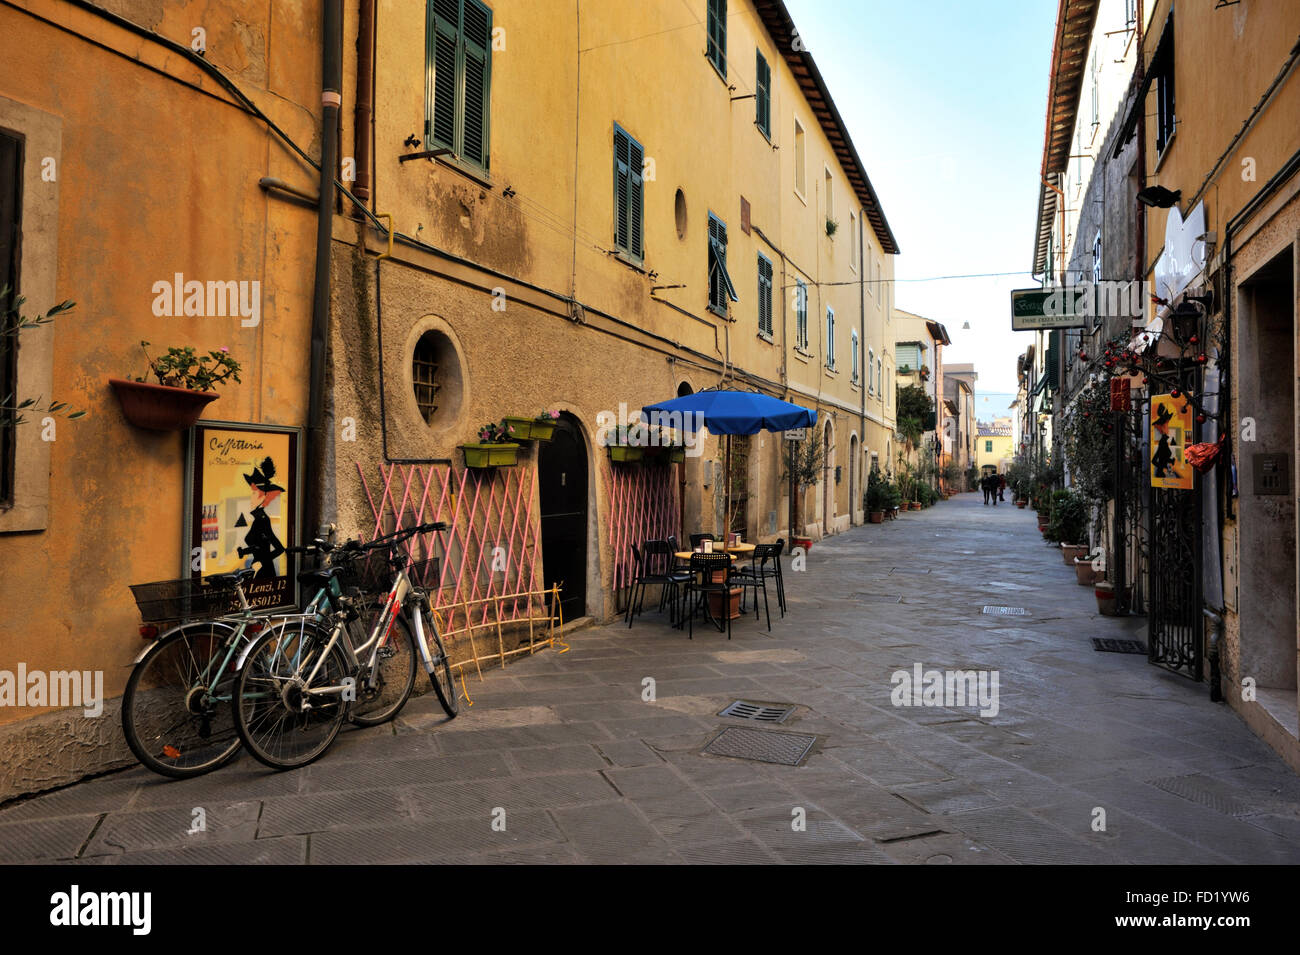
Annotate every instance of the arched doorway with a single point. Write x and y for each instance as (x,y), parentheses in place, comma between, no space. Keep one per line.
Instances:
(690,469)
(562,496)
(853,479)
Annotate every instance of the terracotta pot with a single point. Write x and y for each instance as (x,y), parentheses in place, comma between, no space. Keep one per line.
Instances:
(804,542)
(715,604)
(1070,551)
(1020,504)
(1083,570)
(160,407)
(877,517)
(914,506)
(1107,599)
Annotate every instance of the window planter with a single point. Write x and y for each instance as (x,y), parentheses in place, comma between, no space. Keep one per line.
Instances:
(490,455)
(542,429)
(160,407)
(522,428)
(625,453)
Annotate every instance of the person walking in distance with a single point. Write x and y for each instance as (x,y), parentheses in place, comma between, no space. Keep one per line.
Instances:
(986,488)
(1002,487)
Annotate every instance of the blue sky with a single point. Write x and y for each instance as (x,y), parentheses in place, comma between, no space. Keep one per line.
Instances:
(945,102)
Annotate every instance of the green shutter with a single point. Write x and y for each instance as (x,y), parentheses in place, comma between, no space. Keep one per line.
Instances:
(717,31)
(445,40)
(621,149)
(636,160)
(763,94)
(764,295)
(476,57)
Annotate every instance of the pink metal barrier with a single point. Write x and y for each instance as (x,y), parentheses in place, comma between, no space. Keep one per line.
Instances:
(489,547)
(643,505)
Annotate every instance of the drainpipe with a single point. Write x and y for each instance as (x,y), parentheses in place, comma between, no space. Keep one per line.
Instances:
(862,343)
(317,456)
(365,98)
(1216,645)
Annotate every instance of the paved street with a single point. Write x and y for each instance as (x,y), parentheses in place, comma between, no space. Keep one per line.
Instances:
(562,749)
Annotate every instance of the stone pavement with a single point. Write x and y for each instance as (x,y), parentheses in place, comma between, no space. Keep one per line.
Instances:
(563,749)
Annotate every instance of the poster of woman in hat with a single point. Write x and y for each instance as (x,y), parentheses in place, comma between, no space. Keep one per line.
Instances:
(243,507)
(1170,434)
(260,542)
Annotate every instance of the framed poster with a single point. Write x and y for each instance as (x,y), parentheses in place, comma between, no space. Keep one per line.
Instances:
(243,497)
(1171,432)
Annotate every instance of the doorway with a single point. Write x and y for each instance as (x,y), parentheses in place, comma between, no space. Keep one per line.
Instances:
(562,496)
(1267,503)
(854,503)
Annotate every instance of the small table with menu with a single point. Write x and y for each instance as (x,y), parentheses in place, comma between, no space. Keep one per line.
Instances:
(738,550)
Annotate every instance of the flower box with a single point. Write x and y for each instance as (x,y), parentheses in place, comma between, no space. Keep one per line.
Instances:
(625,454)
(160,407)
(542,429)
(490,455)
(521,428)
(876,517)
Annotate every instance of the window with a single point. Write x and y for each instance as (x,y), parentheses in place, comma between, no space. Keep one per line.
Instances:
(1162,71)
(830,338)
(763,95)
(1130,14)
(1096,117)
(800,315)
(853,241)
(628,194)
(424,375)
(717,27)
(871,278)
(459,70)
(855,364)
(11,170)
(908,356)
(764,296)
(878,371)
(720,287)
(1096,259)
(800,178)
(988,447)
(830,194)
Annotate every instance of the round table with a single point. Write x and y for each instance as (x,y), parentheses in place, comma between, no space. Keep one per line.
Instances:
(715,601)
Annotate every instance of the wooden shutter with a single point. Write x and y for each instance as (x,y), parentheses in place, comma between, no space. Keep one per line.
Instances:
(622,147)
(717,29)
(764,296)
(763,97)
(476,56)
(446,37)
(636,160)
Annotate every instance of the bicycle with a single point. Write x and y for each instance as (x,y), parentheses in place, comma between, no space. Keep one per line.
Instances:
(298,681)
(174,707)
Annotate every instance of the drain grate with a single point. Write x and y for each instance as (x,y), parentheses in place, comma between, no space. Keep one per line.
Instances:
(866,598)
(1106,644)
(761,712)
(1004,611)
(764,746)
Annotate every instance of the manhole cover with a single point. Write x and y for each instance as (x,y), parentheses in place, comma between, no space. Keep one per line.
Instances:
(764,746)
(761,712)
(1118,646)
(1005,611)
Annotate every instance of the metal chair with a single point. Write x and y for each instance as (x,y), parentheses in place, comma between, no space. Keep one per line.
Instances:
(655,566)
(766,565)
(704,567)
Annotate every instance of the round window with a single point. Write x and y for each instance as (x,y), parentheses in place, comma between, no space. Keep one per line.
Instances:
(436,378)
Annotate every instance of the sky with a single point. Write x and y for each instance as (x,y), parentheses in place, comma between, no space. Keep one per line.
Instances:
(945,101)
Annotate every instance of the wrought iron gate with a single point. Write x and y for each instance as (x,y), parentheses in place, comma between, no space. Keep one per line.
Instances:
(1174,628)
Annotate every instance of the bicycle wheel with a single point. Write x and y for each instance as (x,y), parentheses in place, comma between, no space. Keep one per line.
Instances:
(281,722)
(174,711)
(393,679)
(444,684)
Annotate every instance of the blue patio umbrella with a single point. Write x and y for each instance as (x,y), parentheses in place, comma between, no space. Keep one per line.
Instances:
(730,412)
(726,412)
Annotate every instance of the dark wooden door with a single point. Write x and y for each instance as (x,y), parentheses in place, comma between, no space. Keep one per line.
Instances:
(562,489)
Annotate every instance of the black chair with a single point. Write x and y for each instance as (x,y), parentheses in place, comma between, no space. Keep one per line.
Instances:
(704,567)
(655,566)
(766,565)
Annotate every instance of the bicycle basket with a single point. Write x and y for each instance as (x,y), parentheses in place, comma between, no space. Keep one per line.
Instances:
(369,571)
(424,573)
(189,598)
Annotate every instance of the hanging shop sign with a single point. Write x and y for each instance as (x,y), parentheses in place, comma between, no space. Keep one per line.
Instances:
(1171,433)
(795,434)
(1052,307)
(242,506)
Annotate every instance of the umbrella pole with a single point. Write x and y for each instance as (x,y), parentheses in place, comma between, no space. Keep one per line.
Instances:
(726,531)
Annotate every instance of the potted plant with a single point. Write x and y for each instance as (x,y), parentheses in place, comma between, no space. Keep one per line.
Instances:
(628,446)
(186,385)
(543,426)
(496,447)
(1107,598)
(1084,571)
(874,501)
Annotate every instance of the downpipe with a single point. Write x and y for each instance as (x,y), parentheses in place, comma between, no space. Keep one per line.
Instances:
(1213,653)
